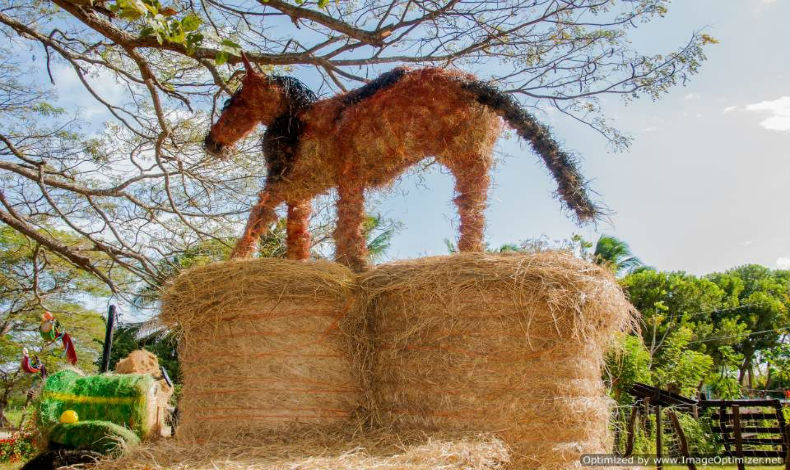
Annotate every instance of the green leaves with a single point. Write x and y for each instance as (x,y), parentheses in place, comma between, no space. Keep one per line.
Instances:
(191,22)
(161,22)
(227,49)
(221,57)
(132,9)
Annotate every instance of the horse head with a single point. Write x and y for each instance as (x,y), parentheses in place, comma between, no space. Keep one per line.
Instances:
(259,99)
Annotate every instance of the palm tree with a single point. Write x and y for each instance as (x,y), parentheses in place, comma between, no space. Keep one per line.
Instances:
(378,235)
(616,255)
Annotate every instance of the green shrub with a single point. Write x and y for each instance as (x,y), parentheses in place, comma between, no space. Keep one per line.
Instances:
(699,435)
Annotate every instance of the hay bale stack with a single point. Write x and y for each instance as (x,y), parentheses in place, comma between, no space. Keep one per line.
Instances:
(510,344)
(263,348)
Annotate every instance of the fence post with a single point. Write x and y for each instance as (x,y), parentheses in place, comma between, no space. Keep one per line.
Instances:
(659,463)
(105,358)
(736,430)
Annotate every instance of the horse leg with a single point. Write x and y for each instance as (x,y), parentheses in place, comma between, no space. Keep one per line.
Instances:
(298,241)
(471,185)
(261,216)
(350,246)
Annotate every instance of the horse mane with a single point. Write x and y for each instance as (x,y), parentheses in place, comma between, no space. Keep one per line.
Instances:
(282,134)
(385,80)
(298,96)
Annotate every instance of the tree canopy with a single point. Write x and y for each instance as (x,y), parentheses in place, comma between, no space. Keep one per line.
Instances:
(715,330)
(33,281)
(141,189)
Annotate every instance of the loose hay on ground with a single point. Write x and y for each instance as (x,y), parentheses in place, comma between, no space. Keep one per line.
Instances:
(263,347)
(510,344)
(315,451)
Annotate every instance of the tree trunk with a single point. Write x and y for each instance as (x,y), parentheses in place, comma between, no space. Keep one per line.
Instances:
(3,420)
(4,402)
(751,378)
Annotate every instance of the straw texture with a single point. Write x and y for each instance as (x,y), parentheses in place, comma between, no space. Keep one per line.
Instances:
(319,451)
(292,364)
(99,436)
(510,344)
(263,348)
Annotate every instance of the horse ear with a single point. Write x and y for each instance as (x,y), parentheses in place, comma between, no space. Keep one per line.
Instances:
(247,65)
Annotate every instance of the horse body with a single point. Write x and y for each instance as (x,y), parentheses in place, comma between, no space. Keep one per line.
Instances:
(365,139)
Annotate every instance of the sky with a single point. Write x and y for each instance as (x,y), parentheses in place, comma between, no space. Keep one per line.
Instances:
(704,187)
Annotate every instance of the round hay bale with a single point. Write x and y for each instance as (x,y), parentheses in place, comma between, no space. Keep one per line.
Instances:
(139,362)
(262,347)
(511,344)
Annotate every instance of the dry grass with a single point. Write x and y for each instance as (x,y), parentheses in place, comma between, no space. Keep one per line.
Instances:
(305,365)
(510,344)
(325,451)
(262,350)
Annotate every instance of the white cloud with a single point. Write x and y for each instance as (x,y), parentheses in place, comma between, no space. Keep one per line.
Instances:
(728,109)
(783,262)
(73,95)
(691,96)
(778,110)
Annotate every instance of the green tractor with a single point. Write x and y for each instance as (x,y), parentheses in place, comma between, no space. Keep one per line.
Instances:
(85,417)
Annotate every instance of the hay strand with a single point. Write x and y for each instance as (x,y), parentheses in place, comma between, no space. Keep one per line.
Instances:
(261,347)
(510,344)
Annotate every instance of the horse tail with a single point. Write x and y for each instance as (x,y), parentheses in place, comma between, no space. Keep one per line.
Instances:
(563,166)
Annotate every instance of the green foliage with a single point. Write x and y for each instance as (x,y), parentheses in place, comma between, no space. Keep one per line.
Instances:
(626,363)
(199,254)
(615,255)
(681,369)
(759,298)
(699,435)
(778,361)
(96,435)
(120,399)
(32,281)
(725,386)
(227,48)
(378,233)
(161,22)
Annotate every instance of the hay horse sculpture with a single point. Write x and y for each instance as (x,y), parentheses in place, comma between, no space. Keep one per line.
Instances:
(367,137)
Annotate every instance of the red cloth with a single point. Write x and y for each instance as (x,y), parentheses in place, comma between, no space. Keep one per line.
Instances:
(27,367)
(68,346)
